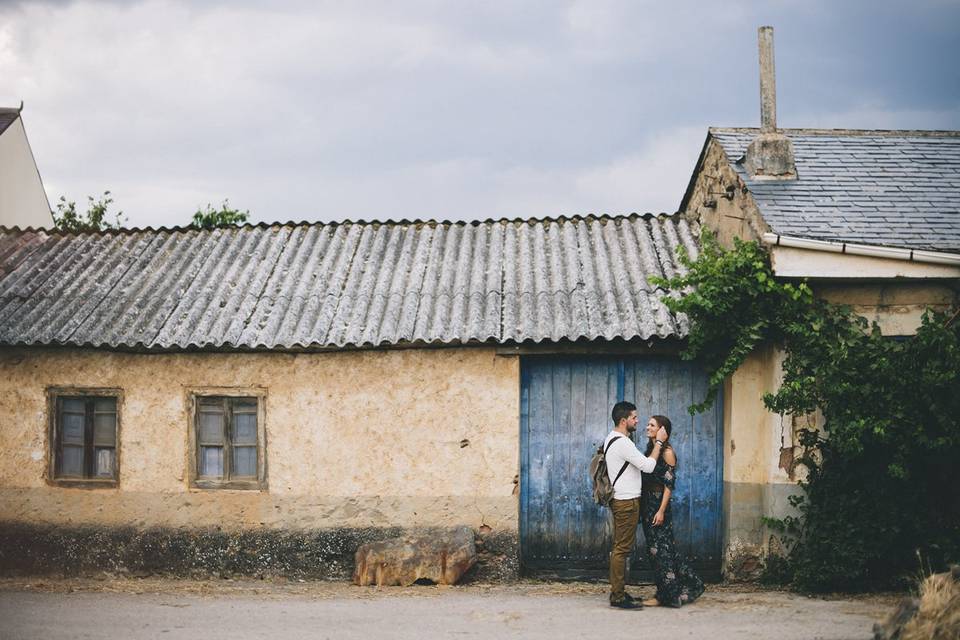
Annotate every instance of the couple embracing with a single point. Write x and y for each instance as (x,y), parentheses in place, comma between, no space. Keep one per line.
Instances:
(642,484)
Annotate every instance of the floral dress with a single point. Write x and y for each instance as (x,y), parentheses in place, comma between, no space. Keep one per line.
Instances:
(677,583)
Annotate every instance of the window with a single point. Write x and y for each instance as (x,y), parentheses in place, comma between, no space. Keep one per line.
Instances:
(228,442)
(84,438)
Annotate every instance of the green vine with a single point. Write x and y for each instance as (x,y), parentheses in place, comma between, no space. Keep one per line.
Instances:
(883,486)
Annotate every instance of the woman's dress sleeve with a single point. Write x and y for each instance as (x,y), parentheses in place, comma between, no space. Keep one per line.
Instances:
(665,474)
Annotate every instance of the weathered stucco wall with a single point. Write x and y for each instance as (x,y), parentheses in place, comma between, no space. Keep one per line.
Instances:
(760,448)
(408,438)
(896,306)
(759,475)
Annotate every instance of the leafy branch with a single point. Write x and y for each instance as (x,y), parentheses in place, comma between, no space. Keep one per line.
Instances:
(95,218)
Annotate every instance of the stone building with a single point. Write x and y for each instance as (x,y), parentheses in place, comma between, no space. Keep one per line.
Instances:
(265,398)
(870,218)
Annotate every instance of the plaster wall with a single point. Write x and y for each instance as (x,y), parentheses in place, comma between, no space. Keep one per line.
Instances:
(759,475)
(23,202)
(760,448)
(896,306)
(409,438)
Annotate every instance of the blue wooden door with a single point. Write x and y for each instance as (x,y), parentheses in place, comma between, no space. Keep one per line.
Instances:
(565,414)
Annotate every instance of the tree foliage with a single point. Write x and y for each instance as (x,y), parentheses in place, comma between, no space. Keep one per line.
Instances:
(225,216)
(96,218)
(883,487)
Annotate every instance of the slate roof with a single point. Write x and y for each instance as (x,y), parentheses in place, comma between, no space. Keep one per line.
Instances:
(353,284)
(887,188)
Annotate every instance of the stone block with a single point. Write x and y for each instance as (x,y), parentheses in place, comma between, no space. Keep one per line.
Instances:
(441,556)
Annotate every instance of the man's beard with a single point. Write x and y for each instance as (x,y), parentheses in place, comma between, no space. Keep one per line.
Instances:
(630,430)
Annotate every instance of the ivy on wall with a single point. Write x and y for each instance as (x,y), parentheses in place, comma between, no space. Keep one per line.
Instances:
(883,481)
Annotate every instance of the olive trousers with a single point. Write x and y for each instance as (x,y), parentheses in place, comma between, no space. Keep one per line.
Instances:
(626,516)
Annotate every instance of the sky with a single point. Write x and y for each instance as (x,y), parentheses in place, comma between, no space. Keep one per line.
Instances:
(442,110)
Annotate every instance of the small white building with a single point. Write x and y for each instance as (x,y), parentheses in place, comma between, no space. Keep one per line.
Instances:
(23,202)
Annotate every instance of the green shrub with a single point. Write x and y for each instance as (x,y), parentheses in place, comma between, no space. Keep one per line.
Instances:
(883,486)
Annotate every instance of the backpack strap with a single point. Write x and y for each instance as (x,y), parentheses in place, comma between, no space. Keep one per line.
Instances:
(625,464)
(622,469)
(610,444)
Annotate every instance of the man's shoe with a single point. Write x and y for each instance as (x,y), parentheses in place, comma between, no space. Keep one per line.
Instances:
(627,596)
(627,604)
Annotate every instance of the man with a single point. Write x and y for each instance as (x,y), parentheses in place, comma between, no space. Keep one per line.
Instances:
(626,461)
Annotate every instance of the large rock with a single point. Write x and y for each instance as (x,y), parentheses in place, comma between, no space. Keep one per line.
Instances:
(440,556)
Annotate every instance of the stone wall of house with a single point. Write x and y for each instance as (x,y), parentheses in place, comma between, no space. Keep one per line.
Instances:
(721,202)
(363,443)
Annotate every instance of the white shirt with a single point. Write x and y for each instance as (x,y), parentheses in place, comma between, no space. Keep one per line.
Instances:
(623,450)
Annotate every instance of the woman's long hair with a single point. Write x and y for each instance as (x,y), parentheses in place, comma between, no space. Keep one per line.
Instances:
(662,421)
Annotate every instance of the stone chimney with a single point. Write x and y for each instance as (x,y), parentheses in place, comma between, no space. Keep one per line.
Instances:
(770,155)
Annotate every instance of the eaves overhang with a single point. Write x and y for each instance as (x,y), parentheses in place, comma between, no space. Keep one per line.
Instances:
(794,256)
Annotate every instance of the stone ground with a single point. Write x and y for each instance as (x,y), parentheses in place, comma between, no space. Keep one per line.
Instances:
(115,607)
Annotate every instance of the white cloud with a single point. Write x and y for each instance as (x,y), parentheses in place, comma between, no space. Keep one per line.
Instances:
(416,109)
(875,116)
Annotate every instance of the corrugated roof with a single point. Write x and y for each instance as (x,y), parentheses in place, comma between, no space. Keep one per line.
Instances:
(312,285)
(887,188)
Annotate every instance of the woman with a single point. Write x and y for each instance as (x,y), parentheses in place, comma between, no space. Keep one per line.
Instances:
(677,583)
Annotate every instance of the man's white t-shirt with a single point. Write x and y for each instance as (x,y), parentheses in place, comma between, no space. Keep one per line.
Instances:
(623,450)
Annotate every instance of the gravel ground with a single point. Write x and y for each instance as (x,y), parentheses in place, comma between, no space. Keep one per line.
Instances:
(113,607)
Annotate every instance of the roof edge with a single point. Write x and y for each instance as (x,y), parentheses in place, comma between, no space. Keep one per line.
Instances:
(316,347)
(696,171)
(872,251)
(893,133)
(336,223)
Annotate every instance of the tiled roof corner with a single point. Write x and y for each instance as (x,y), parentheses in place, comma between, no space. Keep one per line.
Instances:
(885,188)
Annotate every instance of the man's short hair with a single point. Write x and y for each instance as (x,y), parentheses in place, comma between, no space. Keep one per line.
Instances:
(621,411)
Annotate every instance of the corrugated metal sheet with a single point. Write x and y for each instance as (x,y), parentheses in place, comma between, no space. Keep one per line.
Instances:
(354,284)
(888,188)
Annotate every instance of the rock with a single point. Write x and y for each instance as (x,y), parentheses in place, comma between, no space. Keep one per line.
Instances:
(440,556)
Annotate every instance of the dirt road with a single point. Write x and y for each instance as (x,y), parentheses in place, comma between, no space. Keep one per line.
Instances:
(136,609)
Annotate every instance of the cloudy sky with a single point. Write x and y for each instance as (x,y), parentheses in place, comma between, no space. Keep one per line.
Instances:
(443,109)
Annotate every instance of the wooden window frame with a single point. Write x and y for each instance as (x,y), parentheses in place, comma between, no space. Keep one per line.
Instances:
(193,450)
(54,394)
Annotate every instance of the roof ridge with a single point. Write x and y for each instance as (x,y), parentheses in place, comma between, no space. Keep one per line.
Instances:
(360,221)
(931,133)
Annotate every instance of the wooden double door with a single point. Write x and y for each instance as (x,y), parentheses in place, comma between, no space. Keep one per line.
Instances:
(565,414)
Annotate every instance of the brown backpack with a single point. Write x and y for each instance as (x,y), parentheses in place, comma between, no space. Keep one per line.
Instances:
(602,487)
